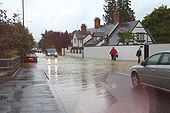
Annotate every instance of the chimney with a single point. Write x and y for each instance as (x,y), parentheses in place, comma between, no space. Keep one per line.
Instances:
(83,28)
(116,17)
(96,22)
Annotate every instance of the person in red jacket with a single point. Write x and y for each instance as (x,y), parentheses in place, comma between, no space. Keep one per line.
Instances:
(113,53)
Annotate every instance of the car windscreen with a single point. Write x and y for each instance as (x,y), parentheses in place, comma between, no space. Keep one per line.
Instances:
(51,50)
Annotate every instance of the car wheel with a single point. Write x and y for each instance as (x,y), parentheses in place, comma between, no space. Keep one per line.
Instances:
(135,81)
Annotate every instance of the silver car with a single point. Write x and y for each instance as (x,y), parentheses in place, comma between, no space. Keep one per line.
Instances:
(51,52)
(154,72)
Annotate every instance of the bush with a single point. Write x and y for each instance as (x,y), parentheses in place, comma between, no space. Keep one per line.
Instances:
(8,53)
(15,39)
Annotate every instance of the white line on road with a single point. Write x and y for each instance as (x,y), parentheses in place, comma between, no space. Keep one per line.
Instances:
(16,71)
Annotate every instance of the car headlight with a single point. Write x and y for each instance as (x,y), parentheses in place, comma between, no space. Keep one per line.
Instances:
(55,53)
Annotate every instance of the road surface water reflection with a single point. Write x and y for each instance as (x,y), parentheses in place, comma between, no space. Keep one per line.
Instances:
(78,83)
(92,86)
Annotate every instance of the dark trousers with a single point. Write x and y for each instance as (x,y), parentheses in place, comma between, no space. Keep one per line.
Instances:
(113,57)
(138,59)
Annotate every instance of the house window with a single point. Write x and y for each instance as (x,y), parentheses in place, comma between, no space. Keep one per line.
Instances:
(140,37)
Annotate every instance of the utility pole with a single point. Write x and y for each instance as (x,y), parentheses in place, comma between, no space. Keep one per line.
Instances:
(1,12)
(23,12)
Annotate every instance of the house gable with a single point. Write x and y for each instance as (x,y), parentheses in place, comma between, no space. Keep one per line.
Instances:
(139,28)
(141,35)
(77,39)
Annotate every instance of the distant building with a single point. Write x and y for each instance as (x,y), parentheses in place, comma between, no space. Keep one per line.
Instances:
(141,35)
(93,36)
(108,34)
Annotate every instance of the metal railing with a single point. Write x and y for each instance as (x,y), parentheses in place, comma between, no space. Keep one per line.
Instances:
(10,63)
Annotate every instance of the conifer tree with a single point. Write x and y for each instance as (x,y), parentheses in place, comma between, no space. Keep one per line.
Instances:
(118,6)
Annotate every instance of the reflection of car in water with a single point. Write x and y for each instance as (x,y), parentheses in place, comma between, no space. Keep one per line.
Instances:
(51,52)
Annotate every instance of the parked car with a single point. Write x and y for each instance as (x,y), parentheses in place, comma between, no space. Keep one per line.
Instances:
(30,58)
(51,52)
(154,72)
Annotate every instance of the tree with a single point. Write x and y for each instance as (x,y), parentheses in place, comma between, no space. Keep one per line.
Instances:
(158,23)
(15,39)
(24,40)
(122,7)
(109,9)
(126,13)
(53,39)
(125,37)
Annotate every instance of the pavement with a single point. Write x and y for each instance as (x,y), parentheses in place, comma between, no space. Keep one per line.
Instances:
(29,91)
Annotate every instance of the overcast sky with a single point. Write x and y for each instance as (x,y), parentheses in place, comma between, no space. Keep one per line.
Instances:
(62,15)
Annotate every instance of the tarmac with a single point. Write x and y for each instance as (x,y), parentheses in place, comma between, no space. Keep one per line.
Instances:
(30,91)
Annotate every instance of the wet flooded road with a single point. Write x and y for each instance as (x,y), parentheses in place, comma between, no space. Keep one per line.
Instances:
(78,83)
(81,83)
(98,86)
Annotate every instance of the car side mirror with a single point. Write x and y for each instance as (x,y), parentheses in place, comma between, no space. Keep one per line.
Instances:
(143,63)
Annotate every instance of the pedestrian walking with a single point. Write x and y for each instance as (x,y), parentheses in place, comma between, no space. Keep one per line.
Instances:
(113,53)
(139,54)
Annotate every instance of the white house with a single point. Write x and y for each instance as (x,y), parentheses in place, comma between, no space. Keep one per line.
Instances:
(92,36)
(141,35)
(108,34)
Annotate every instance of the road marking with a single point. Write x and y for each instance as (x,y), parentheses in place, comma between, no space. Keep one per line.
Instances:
(46,75)
(16,71)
